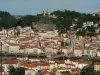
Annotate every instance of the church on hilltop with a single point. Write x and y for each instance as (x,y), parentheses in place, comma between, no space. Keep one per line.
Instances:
(47,13)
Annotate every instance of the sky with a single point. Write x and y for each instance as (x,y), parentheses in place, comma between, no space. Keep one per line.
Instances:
(24,7)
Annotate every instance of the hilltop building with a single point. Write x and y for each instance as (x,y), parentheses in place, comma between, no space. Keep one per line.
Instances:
(47,13)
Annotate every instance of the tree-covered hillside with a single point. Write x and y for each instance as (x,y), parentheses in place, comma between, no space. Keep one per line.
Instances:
(63,21)
(7,20)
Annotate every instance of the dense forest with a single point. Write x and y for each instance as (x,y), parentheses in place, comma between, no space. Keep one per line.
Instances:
(63,21)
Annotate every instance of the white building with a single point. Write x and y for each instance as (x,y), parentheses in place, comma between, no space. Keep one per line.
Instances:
(30,72)
(97,66)
(98,52)
(13,48)
(78,52)
(89,52)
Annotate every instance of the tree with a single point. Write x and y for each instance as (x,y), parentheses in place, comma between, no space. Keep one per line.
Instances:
(11,70)
(65,18)
(20,71)
(7,20)
(97,73)
(16,71)
(91,31)
(76,74)
(66,72)
(88,71)
(81,32)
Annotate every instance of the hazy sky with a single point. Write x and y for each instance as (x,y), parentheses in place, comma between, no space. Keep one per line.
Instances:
(23,7)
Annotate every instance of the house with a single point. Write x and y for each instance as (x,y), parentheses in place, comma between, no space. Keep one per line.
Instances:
(30,66)
(44,66)
(32,50)
(34,60)
(30,72)
(61,63)
(5,48)
(26,39)
(53,64)
(13,48)
(78,52)
(97,66)
(69,64)
(49,49)
(89,52)
(61,71)
(79,63)
(98,52)
(64,50)
(7,63)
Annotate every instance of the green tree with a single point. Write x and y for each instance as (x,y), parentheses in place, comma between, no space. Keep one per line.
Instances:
(7,20)
(28,19)
(16,71)
(11,70)
(88,71)
(97,73)
(76,74)
(81,32)
(20,71)
(91,31)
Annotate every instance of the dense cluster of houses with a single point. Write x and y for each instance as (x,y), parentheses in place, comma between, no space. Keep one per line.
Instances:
(27,41)
(35,66)
(46,67)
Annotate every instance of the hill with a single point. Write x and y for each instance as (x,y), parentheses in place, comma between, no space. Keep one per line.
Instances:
(63,21)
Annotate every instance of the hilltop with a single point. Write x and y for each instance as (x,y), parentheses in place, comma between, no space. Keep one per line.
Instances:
(62,20)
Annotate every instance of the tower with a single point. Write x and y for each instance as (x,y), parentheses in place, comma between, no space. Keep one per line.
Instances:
(46,12)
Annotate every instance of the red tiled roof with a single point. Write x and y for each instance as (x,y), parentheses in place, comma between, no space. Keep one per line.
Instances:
(97,63)
(29,65)
(26,38)
(12,44)
(10,61)
(61,62)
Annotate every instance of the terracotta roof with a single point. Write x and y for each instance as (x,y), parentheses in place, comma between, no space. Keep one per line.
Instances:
(44,64)
(26,38)
(61,62)
(79,61)
(13,44)
(10,62)
(97,63)
(29,65)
